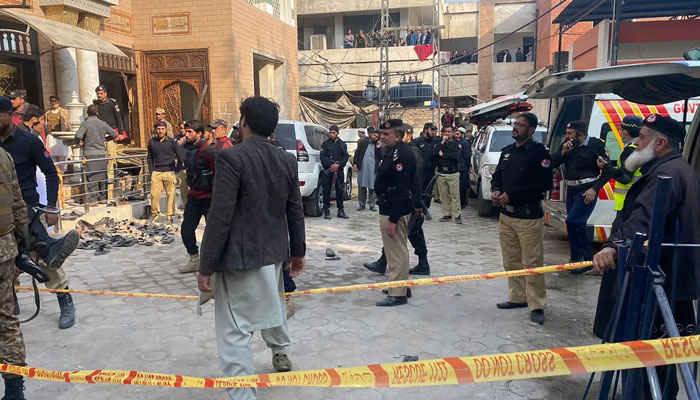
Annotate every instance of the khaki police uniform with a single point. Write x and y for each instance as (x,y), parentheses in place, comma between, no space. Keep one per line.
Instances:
(524,173)
(13,214)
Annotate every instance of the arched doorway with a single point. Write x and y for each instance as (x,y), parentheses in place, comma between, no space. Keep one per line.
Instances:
(175,81)
(179,100)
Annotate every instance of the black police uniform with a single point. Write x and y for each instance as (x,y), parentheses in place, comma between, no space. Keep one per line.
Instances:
(333,152)
(108,111)
(428,150)
(524,173)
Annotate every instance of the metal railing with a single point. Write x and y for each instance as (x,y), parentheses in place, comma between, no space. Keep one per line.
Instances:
(101,180)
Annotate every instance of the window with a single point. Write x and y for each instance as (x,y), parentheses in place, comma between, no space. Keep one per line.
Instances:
(314,136)
(284,135)
(502,138)
(611,143)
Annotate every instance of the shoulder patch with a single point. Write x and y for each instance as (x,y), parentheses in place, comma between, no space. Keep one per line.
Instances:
(546,163)
(399,167)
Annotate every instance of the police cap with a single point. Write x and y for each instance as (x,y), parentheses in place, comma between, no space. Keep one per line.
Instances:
(160,123)
(100,88)
(392,123)
(667,126)
(17,93)
(219,122)
(370,130)
(579,126)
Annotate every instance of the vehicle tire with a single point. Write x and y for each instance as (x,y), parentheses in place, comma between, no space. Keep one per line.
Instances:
(348,186)
(313,205)
(483,207)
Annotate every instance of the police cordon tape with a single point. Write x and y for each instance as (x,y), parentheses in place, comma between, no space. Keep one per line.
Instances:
(354,288)
(438,372)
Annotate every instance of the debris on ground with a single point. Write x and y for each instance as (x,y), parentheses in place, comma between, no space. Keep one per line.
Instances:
(107,233)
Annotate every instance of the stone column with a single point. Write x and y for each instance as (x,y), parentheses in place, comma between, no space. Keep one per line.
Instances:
(66,69)
(88,75)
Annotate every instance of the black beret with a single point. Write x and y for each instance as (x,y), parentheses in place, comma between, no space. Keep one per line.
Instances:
(666,125)
(160,123)
(579,126)
(370,130)
(392,123)
(100,88)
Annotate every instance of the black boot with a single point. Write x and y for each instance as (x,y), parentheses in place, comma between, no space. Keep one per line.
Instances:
(326,213)
(67,318)
(341,214)
(59,250)
(15,311)
(14,389)
(378,266)
(422,268)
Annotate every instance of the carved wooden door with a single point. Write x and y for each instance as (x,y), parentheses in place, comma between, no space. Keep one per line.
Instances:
(169,99)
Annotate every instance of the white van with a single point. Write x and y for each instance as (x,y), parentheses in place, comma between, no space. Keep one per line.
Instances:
(579,98)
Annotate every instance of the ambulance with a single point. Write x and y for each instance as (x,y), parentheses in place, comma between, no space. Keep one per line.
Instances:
(577,98)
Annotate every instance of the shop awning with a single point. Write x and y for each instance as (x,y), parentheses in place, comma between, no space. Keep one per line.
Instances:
(63,35)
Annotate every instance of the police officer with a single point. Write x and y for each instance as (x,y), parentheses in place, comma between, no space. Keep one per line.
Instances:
(219,133)
(394,184)
(629,131)
(415,236)
(29,153)
(199,162)
(579,155)
(334,156)
(13,220)
(108,111)
(523,174)
(427,144)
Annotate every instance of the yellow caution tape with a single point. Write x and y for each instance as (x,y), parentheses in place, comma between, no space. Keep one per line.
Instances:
(354,288)
(438,372)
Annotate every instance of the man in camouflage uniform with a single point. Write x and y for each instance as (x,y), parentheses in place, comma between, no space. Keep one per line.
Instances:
(13,217)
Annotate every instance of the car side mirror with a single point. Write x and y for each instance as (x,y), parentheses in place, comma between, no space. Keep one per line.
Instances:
(482,147)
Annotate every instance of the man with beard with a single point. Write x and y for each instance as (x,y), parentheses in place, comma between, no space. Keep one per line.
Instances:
(367,160)
(200,159)
(579,154)
(523,174)
(448,176)
(657,155)
(334,156)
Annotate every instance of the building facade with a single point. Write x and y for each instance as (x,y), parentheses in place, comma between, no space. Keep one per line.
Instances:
(173,54)
(327,70)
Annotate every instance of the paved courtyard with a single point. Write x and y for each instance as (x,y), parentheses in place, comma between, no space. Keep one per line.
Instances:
(336,330)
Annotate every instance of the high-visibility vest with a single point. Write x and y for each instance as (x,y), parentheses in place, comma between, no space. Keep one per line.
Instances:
(621,189)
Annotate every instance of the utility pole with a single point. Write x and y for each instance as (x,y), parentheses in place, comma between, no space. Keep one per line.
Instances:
(384,63)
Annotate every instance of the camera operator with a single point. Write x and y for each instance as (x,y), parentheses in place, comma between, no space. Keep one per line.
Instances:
(13,220)
(579,155)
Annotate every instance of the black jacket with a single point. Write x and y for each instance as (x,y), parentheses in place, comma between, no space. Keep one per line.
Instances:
(683,206)
(108,111)
(582,162)
(256,216)
(465,155)
(166,155)
(362,147)
(524,173)
(448,162)
(427,150)
(396,182)
(333,152)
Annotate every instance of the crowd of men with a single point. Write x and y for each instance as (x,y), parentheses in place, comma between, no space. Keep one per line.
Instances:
(253,183)
(374,38)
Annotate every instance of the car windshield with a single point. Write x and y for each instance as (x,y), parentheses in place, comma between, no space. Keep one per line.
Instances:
(284,135)
(502,138)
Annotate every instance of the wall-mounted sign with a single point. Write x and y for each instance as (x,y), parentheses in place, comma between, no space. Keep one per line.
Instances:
(171,24)
(119,22)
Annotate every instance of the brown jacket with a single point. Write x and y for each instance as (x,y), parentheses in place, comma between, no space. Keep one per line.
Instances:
(58,122)
(256,216)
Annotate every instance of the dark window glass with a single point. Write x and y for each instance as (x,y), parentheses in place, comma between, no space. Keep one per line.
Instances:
(284,134)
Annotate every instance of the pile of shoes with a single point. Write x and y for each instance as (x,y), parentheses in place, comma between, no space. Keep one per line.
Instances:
(107,233)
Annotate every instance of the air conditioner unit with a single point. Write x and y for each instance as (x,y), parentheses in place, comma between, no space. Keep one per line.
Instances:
(318,42)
